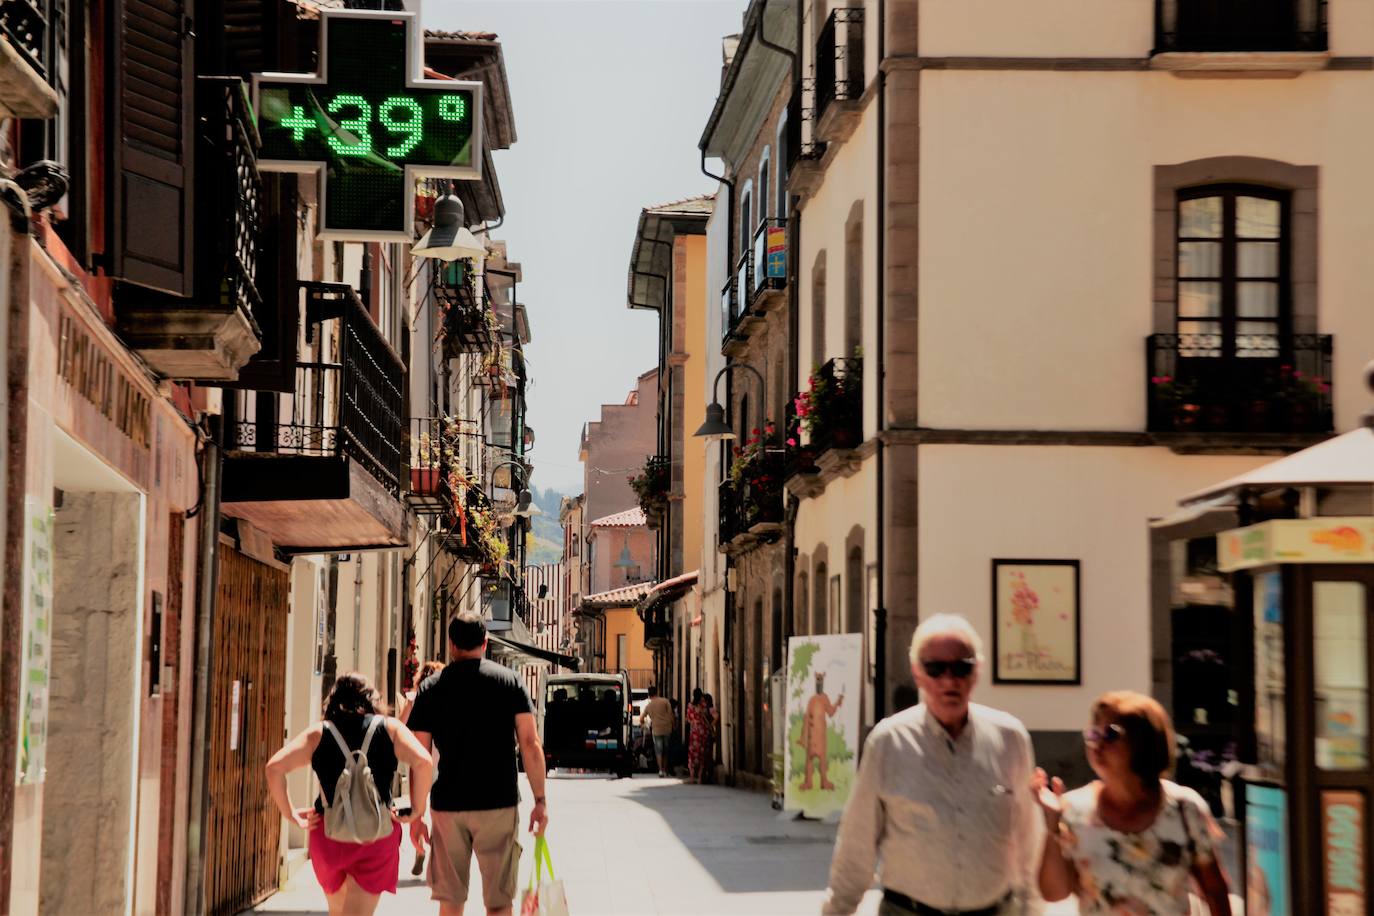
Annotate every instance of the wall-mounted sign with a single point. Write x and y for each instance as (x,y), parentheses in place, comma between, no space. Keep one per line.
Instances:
(369,123)
(777,253)
(1297,540)
(1343,855)
(37,648)
(91,372)
(1035,635)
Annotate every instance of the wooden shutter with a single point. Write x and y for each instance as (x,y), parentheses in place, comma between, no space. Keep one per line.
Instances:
(151,140)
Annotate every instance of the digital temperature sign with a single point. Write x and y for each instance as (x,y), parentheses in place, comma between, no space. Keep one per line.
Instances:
(369,123)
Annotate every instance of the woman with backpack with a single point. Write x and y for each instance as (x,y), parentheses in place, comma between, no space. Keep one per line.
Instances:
(354,836)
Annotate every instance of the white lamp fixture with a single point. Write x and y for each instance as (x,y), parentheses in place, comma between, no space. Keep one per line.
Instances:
(449,239)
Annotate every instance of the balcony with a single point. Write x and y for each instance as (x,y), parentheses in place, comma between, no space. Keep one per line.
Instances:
(24,91)
(828,418)
(737,307)
(468,324)
(653,486)
(807,153)
(321,471)
(839,69)
(751,503)
(469,530)
(1235,26)
(1258,387)
(768,291)
(212,334)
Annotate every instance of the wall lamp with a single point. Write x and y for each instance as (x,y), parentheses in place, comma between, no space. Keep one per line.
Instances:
(717,426)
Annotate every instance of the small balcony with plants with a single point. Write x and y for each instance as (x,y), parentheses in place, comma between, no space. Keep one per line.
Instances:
(751,496)
(1253,389)
(768,286)
(828,417)
(467,322)
(653,485)
(25,63)
(839,70)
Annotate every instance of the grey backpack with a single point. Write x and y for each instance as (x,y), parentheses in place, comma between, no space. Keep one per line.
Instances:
(357,814)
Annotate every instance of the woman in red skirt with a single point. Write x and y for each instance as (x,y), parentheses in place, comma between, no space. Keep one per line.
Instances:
(353,875)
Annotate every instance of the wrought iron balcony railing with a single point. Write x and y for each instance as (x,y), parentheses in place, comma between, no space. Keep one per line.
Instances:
(729,309)
(25,24)
(831,409)
(754,495)
(468,323)
(1240,25)
(840,59)
(351,408)
(230,196)
(769,257)
(1256,383)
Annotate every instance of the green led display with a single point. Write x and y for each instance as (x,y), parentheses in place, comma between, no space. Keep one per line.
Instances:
(370,123)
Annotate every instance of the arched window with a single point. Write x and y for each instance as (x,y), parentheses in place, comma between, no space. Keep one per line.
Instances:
(746,220)
(854,590)
(853,281)
(765,175)
(784,157)
(775,659)
(818,605)
(800,619)
(1232,295)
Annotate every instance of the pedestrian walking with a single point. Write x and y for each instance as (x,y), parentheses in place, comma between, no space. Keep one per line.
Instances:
(475,712)
(713,754)
(427,670)
(941,797)
(698,736)
(1131,841)
(353,875)
(660,718)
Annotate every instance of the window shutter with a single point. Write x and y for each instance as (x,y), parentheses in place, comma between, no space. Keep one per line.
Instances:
(151,140)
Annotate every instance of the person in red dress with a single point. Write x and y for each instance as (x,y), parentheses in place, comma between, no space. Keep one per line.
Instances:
(698,736)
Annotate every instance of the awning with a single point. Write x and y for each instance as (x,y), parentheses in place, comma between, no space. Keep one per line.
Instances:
(667,591)
(545,655)
(1345,460)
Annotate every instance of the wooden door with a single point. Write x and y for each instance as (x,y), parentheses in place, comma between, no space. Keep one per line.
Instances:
(247,718)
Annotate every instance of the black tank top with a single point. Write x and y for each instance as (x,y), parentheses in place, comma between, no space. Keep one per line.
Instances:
(328,760)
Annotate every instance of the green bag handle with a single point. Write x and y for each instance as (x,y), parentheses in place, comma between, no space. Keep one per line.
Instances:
(541,858)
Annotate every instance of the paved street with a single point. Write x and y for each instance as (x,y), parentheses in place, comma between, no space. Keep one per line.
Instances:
(651,846)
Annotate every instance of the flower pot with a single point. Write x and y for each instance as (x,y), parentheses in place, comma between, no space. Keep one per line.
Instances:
(424,481)
(1187,417)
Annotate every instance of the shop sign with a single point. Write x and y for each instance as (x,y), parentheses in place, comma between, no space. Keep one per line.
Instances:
(369,124)
(92,373)
(1343,855)
(1302,540)
(33,700)
(1266,848)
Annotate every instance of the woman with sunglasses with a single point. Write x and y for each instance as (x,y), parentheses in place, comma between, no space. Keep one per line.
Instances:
(1131,842)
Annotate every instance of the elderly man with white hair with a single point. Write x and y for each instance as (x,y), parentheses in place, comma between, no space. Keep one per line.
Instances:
(942,798)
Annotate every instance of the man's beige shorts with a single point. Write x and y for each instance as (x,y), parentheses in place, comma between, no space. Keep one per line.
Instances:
(455,836)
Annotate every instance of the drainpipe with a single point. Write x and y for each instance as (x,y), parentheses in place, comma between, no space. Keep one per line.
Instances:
(16,469)
(880,615)
(793,332)
(204,672)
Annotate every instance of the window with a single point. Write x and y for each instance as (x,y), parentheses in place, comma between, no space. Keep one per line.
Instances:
(1232,254)
(819,616)
(746,224)
(784,154)
(818,310)
(621,651)
(765,199)
(853,280)
(1240,25)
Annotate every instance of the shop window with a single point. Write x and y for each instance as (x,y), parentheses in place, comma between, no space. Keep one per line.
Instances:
(1341,667)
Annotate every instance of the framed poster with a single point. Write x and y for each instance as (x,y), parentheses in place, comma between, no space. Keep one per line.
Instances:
(1035,626)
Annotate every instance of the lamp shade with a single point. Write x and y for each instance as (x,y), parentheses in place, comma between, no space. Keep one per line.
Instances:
(448,239)
(715,426)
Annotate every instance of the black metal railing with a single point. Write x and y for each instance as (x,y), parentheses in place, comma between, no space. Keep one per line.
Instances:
(25,24)
(350,408)
(230,200)
(468,324)
(520,604)
(840,59)
(436,448)
(1240,25)
(769,256)
(652,486)
(729,309)
(834,404)
(752,494)
(1258,383)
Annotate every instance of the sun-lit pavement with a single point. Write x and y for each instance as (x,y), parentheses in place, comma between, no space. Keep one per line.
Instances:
(647,846)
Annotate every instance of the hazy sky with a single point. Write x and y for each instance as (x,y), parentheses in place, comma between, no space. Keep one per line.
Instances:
(610,99)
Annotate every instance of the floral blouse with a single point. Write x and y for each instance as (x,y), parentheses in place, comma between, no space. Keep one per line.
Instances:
(1138,874)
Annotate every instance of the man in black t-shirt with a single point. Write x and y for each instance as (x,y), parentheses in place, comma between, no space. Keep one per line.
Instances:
(474,712)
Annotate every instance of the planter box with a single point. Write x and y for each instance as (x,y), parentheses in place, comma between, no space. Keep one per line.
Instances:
(424,481)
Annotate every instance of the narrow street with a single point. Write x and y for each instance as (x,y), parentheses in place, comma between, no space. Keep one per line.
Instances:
(647,846)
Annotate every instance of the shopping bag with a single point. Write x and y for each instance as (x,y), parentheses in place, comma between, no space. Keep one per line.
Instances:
(543,897)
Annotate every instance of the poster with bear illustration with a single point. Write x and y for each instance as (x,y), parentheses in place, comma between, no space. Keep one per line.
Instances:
(824,683)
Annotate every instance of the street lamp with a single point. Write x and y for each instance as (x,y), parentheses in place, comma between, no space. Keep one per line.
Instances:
(717,426)
(524,503)
(448,239)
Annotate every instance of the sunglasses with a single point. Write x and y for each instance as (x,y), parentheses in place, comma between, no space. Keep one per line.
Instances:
(1106,734)
(961,668)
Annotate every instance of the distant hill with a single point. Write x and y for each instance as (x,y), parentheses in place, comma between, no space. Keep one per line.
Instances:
(546,543)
